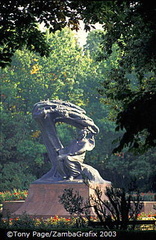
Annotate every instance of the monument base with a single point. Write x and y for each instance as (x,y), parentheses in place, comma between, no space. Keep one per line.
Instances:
(43,199)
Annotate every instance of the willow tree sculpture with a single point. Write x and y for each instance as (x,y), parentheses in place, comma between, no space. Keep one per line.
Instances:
(67,162)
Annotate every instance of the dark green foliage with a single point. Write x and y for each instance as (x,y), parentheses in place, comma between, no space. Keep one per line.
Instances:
(130,25)
(15,175)
(130,171)
(18,28)
(139,116)
(71,77)
(126,167)
(19,22)
(24,222)
(126,69)
(131,83)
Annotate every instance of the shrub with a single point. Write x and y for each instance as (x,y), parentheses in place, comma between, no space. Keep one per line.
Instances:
(119,206)
(15,194)
(27,222)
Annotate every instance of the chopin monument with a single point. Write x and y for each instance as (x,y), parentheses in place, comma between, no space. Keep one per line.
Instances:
(67,162)
(68,167)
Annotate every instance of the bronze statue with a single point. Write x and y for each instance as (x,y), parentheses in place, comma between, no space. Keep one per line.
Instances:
(67,162)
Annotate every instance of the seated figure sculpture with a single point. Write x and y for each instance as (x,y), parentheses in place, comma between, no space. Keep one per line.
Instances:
(71,158)
(67,162)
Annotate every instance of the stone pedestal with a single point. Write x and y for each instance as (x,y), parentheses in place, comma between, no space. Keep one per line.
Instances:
(11,206)
(43,199)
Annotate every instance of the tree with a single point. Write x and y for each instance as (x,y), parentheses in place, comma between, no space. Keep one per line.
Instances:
(19,22)
(130,24)
(31,78)
(119,208)
(128,168)
(130,85)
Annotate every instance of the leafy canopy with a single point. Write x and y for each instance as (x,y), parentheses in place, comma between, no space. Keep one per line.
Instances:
(131,84)
(129,24)
(72,77)
(19,22)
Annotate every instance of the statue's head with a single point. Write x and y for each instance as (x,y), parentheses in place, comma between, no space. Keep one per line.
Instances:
(82,134)
(85,133)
